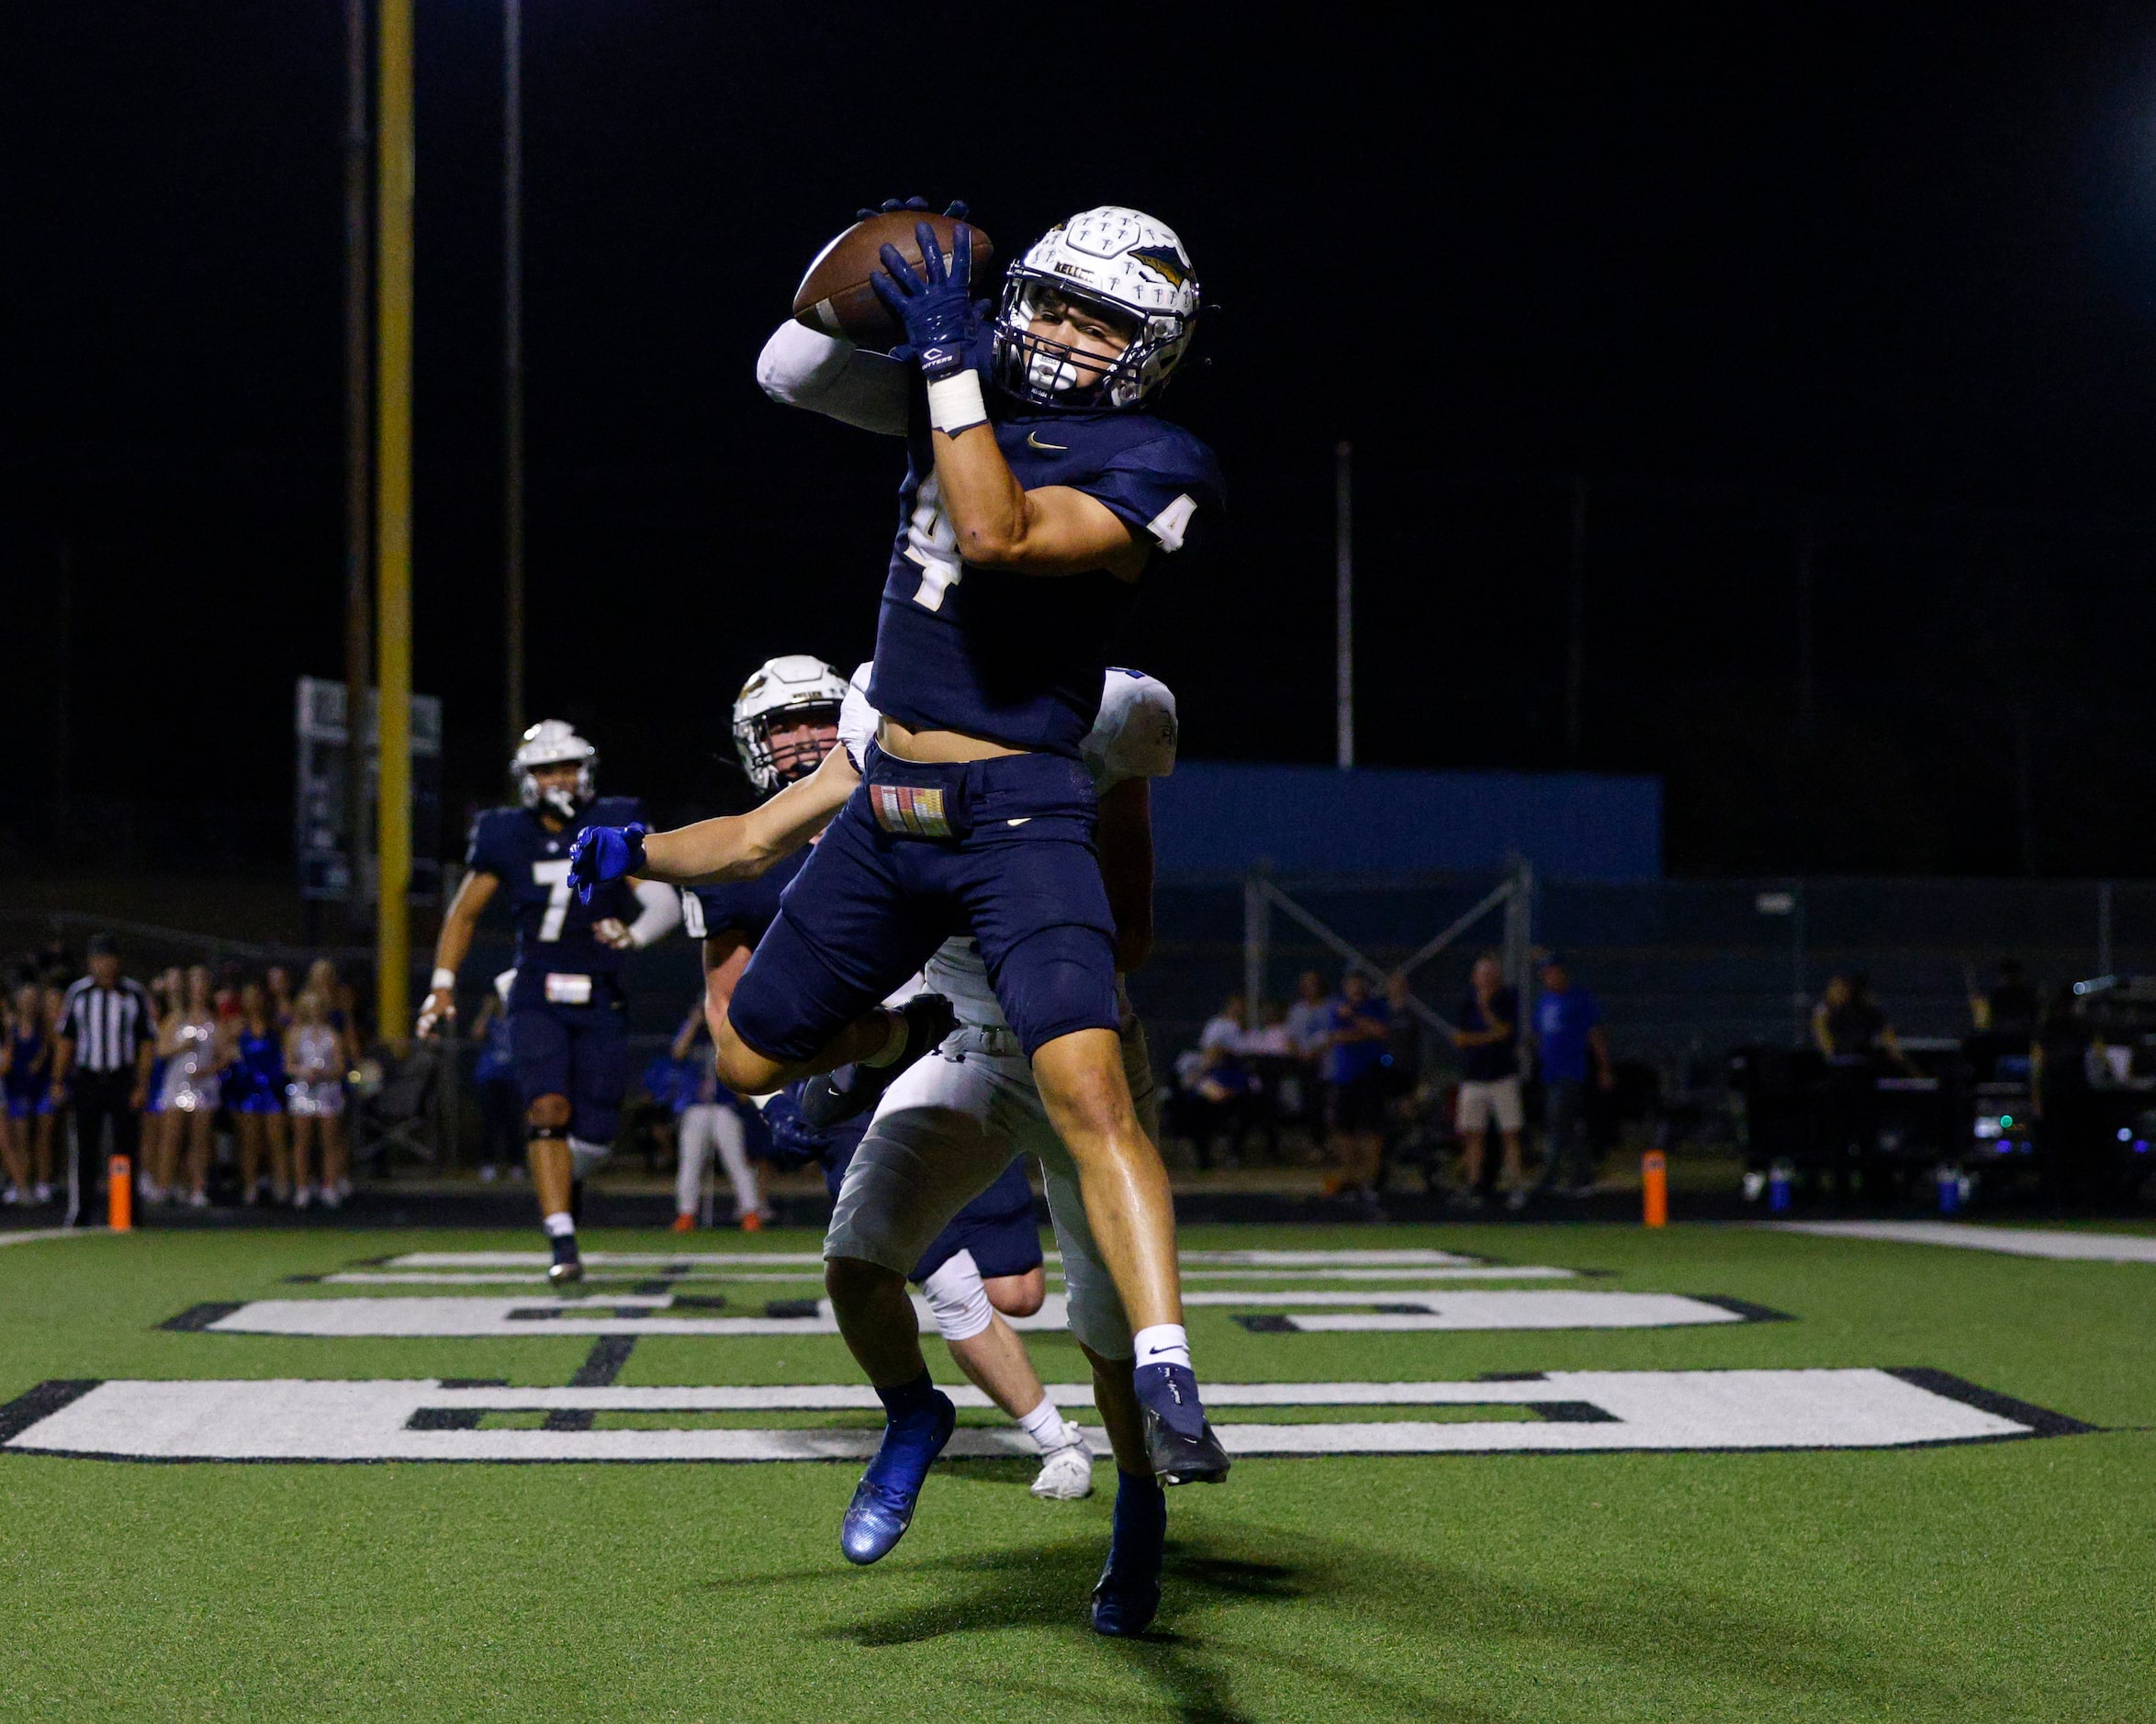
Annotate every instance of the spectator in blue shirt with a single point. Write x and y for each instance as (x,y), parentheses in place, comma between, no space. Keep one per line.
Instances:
(501,1103)
(1356,1057)
(1574,1053)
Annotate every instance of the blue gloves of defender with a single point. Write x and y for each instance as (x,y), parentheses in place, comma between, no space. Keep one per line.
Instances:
(794,1142)
(605,852)
(942,325)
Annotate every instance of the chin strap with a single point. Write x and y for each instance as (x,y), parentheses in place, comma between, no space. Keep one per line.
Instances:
(562,803)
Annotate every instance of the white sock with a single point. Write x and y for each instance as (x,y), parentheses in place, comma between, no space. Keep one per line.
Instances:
(559,1224)
(1163,1344)
(892,1048)
(1044,1424)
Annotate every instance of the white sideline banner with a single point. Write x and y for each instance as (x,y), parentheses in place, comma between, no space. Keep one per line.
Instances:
(1576,1412)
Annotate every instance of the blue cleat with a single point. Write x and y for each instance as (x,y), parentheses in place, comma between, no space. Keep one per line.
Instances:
(1178,1441)
(883,1505)
(1129,1590)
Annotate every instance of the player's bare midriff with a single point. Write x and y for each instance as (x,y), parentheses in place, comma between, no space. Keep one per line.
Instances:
(930,748)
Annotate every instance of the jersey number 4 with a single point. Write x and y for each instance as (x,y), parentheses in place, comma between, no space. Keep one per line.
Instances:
(933,543)
(555,876)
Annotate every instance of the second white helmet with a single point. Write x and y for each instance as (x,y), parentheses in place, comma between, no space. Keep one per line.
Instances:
(554,743)
(788,692)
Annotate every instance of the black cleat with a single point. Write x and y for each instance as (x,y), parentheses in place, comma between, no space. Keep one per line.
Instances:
(1179,1442)
(567,1266)
(837,1096)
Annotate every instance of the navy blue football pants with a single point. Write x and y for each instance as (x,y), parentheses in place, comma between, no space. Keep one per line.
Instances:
(1017,871)
(581,1052)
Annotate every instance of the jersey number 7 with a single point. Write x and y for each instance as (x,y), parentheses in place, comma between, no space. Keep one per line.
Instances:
(555,876)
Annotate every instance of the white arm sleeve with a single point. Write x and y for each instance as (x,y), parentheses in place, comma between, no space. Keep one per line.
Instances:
(858,719)
(662,912)
(803,368)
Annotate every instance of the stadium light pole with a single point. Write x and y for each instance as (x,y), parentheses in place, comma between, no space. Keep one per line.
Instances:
(393,273)
(512,365)
(1343,603)
(358,473)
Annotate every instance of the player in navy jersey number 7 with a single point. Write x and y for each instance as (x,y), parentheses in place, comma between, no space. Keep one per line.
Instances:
(1039,490)
(566,1027)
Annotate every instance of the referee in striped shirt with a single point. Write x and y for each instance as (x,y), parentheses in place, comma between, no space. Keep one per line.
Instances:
(108,1034)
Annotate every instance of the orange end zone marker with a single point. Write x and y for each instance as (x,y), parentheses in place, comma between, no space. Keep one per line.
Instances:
(1654,1183)
(119,1195)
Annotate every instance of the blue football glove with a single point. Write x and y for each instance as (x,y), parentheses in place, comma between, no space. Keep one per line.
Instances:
(957,209)
(941,323)
(794,1142)
(605,852)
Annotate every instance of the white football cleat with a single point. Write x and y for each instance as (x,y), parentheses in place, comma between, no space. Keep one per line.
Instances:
(1066,1471)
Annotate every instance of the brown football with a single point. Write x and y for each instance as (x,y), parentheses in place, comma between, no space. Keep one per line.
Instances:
(835,295)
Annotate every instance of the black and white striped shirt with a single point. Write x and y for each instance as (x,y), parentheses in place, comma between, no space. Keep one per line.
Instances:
(108,1025)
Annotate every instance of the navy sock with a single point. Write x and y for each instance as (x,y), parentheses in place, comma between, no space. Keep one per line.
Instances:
(908,1399)
(1142,1519)
(565,1248)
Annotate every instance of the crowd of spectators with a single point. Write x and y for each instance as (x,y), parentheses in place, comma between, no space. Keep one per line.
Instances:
(207,1079)
(1354,1070)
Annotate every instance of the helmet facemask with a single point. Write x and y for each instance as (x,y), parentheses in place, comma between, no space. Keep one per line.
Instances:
(771,763)
(1050,373)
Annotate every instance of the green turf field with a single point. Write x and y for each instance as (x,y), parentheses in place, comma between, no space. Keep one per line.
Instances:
(1986,1580)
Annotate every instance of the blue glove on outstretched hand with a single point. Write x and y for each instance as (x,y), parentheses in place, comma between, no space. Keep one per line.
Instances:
(605,852)
(942,325)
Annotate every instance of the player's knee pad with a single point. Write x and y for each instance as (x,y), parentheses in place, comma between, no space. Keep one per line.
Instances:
(1057,981)
(585,1155)
(536,1133)
(957,1299)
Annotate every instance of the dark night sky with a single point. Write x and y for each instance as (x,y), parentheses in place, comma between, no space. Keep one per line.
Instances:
(1895,269)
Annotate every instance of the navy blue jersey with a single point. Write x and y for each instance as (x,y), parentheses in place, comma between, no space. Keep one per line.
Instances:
(747,907)
(1019,660)
(554,927)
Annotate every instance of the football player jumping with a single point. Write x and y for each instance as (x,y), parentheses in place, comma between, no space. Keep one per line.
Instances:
(565,1024)
(1038,489)
(963,1123)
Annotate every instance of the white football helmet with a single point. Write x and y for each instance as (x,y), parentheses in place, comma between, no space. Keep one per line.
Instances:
(1118,259)
(553,743)
(794,690)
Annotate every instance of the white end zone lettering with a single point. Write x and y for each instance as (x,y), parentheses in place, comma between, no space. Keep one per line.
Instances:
(1569,1412)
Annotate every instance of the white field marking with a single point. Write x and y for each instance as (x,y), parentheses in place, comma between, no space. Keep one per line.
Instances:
(536,1277)
(604,1314)
(773,1260)
(1476,1272)
(294,1420)
(30,1236)
(1452,1310)
(609,1259)
(462,1317)
(2096,1248)
(1330,1259)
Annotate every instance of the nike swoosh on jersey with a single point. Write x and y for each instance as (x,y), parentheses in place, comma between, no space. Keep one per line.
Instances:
(1033,440)
(1019,821)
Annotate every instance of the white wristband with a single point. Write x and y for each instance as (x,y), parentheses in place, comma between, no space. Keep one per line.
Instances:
(444,982)
(955,404)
